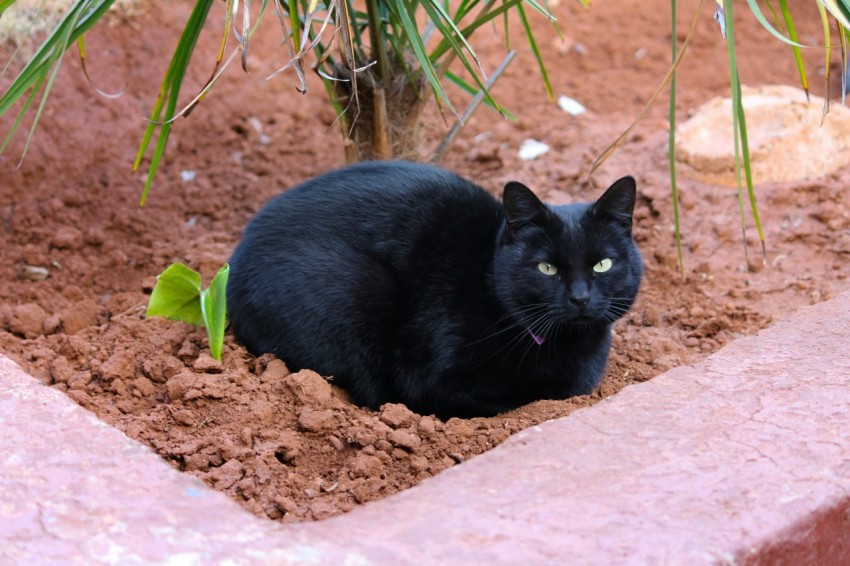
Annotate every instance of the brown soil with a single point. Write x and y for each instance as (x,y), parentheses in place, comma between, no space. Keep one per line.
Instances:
(289,446)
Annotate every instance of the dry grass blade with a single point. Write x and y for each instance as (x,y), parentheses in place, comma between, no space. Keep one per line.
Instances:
(839,9)
(218,71)
(288,42)
(229,8)
(110,95)
(616,144)
(346,51)
(296,58)
(246,27)
(828,53)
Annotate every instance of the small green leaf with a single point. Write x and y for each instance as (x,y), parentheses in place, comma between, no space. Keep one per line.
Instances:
(214,309)
(176,295)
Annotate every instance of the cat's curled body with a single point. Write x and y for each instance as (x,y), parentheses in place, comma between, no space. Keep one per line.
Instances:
(409,284)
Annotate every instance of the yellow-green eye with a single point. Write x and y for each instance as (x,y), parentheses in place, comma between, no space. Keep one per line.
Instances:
(547,268)
(603,266)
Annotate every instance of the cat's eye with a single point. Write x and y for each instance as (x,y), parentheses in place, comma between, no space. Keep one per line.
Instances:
(547,268)
(603,265)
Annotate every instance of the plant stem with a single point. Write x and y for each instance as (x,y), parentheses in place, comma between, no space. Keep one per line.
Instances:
(379,43)
(671,146)
(381,143)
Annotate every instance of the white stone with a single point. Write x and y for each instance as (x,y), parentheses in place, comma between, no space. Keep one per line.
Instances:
(570,105)
(532,149)
(789,138)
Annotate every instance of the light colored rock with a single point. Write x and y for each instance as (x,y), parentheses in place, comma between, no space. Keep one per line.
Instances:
(789,138)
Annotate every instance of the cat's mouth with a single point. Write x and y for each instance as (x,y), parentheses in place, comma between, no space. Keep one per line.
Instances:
(578,320)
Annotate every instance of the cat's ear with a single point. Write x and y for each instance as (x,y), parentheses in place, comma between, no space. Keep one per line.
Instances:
(618,202)
(522,207)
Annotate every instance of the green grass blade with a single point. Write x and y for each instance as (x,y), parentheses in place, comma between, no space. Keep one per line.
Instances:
(479,21)
(79,19)
(466,6)
(842,35)
(448,32)
(42,68)
(748,170)
(733,77)
(170,90)
(742,215)
(448,29)
(756,10)
(506,25)
(49,71)
(295,23)
(405,18)
(739,124)
(468,88)
(798,56)
(378,42)
(27,103)
(534,49)
(55,65)
(539,8)
(671,145)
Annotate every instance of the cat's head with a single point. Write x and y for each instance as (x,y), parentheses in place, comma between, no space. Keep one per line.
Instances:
(567,265)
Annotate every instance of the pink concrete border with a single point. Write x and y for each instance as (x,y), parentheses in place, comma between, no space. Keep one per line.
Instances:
(744,458)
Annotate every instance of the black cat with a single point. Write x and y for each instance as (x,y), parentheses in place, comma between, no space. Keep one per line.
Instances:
(409,284)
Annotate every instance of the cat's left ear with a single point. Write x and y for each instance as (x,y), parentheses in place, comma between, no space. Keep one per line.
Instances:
(618,202)
(522,207)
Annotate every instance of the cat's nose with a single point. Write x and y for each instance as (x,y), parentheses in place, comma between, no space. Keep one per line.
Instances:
(579,293)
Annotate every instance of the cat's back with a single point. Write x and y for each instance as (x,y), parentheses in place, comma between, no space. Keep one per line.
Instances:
(386,193)
(365,247)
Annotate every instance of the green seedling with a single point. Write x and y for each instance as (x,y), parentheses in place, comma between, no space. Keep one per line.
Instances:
(178,295)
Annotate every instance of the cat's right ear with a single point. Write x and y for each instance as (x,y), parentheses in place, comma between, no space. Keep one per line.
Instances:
(522,207)
(618,202)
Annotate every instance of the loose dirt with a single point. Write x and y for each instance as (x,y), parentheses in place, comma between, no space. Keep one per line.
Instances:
(78,256)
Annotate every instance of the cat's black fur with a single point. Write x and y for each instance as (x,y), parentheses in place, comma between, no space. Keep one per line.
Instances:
(409,284)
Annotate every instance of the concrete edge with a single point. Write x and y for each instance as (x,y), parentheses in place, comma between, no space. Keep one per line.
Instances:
(743,458)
